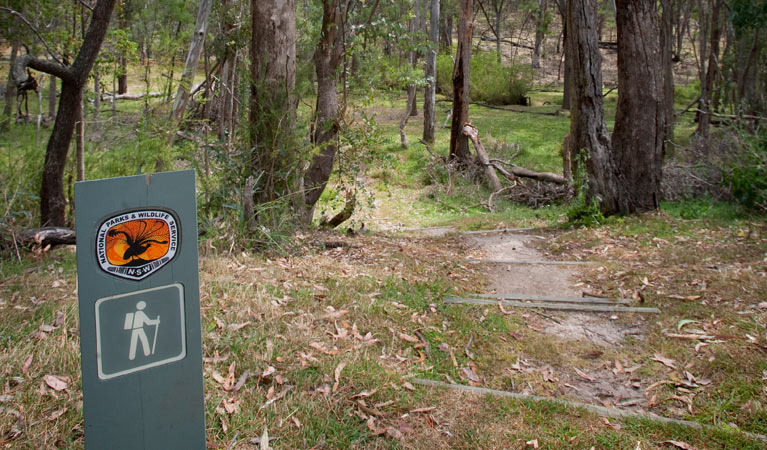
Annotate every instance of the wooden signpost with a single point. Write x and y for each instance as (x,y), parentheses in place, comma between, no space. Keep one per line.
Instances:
(139,305)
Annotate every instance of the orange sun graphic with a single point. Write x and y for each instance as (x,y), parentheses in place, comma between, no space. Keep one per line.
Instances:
(137,242)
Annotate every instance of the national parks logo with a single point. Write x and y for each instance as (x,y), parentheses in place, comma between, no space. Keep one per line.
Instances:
(134,245)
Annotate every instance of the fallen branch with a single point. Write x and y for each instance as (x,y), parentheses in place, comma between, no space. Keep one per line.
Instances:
(531,261)
(599,410)
(527,173)
(498,230)
(508,41)
(132,96)
(473,133)
(543,298)
(44,237)
(552,305)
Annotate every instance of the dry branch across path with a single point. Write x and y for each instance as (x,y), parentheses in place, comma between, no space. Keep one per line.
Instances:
(551,305)
(560,299)
(531,261)
(600,410)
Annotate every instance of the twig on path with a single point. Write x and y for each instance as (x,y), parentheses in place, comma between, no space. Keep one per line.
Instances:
(426,346)
(469,354)
(552,305)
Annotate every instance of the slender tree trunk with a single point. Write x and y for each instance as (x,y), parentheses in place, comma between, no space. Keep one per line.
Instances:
(272,102)
(192,58)
(640,124)
(446,29)
(96,107)
(80,144)
(498,42)
(327,58)
(459,143)
(431,74)
(667,57)
(587,125)
(122,79)
(10,92)
(540,34)
(707,87)
(52,97)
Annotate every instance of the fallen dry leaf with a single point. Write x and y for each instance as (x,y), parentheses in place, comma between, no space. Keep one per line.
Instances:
(55,382)
(680,444)
(56,414)
(337,374)
(365,394)
(668,362)
(238,326)
(583,375)
(268,372)
(408,338)
(407,385)
(27,363)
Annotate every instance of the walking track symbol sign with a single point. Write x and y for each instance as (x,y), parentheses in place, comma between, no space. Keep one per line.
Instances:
(139,330)
(139,299)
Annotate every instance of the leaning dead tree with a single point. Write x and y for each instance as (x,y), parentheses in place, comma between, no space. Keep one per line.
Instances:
(73,78)
(192,59)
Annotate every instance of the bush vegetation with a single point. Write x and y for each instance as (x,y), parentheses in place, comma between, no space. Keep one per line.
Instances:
(490,81)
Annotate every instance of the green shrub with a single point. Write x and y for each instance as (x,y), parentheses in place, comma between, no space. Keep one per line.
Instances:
(748,174)
(489,80)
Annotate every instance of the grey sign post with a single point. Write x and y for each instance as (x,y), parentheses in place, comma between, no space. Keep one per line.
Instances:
(139,304)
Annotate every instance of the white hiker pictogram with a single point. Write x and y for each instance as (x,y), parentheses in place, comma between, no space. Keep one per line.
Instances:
(136,322)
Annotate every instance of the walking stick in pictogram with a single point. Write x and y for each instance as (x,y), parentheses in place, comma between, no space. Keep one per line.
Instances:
(156,331)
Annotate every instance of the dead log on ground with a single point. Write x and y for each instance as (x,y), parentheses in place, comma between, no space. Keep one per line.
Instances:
(44,237)
(473,134)
(527,173)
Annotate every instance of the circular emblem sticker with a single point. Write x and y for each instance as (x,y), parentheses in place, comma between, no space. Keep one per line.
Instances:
(136,244)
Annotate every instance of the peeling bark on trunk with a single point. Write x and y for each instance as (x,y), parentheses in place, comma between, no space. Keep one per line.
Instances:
(640,122)
(431,74)
(459,144)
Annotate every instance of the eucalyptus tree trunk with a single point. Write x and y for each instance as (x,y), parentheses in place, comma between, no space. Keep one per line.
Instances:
(52,96)
(540,34)
(587,125)
(446,27)
(667,58)
(10,92)
(327,58)
(712,70)
(640,120)
(192,58)
(459,143)
(52,198)
(272,101)
(431,74)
